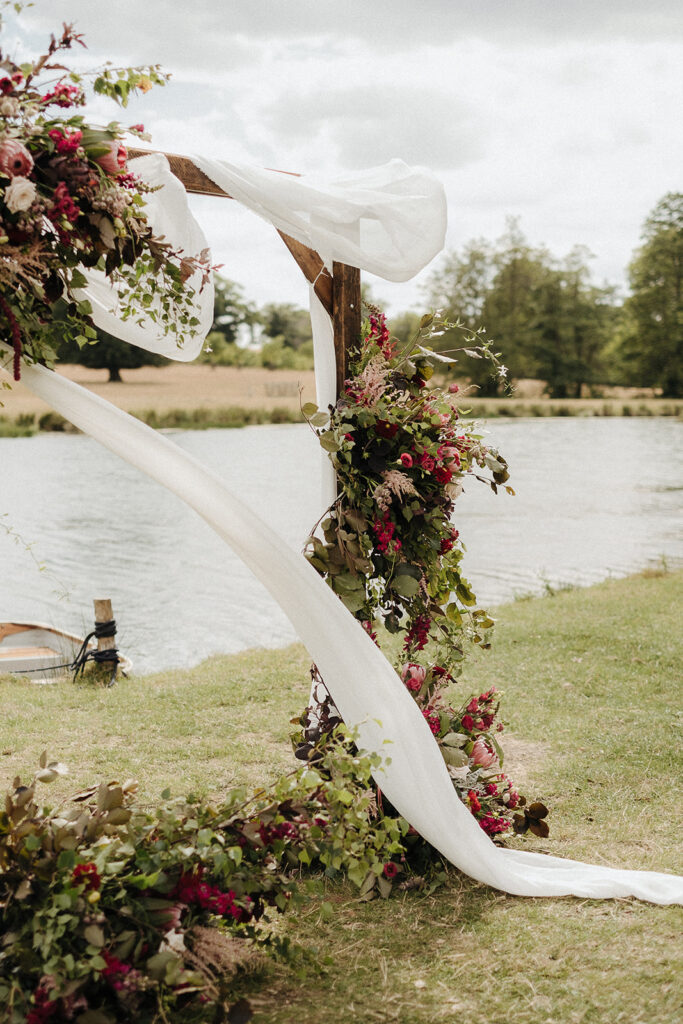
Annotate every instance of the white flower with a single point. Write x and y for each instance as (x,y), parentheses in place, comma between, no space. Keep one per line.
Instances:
(9,107)
(19,195)
(106,228)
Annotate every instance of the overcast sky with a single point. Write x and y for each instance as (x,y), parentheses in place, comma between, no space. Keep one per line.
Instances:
(565,113)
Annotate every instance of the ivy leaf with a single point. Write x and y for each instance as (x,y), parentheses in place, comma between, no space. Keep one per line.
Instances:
(404,585)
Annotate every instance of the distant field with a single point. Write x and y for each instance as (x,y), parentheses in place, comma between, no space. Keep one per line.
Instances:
(178,386)
(196,395)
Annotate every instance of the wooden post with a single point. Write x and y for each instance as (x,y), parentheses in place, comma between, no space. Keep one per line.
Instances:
(346,316)
(104,613)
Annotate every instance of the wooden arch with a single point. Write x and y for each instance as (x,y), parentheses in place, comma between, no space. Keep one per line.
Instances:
(338,292)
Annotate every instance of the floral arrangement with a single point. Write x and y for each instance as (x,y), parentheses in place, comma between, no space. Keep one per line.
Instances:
(389,548)
(111,912)
(68,202)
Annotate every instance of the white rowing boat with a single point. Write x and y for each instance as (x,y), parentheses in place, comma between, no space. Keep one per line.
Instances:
(40,652)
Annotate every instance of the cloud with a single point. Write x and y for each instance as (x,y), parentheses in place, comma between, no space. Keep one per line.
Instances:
(373,123)
(563,114)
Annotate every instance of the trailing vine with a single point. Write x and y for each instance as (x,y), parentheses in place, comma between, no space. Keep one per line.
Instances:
(392,553)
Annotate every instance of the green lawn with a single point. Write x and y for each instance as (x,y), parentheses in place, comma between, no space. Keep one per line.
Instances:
(592,688)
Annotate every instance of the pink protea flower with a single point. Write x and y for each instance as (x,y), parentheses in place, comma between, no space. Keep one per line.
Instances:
(413,676)
(114,161)
(15,159)
(481,754)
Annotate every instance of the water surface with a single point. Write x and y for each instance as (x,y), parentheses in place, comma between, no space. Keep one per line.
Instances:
(594,498)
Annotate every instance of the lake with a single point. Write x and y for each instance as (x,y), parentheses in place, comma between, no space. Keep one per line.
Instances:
(595,498)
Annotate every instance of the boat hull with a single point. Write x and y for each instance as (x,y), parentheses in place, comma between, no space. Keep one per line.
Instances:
(40,652)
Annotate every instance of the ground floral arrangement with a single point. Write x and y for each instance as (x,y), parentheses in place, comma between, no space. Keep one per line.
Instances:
(390,551)
(69,203)
(110,912)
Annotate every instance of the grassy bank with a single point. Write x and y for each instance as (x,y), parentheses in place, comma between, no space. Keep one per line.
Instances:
(197,396)
(28,424)
(591,682)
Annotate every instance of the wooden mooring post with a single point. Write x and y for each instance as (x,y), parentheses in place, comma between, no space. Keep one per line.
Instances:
(104,614)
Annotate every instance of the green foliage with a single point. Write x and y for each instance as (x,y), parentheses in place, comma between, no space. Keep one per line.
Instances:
(546,315)
(68,204)
(102,902)
(400,454)
(653,342)
(279,355)
(289,323)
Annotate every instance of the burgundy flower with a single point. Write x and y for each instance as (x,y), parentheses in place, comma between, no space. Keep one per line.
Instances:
(473,801)
(88,875)
(390,870)
(64,95)
(65,142)
(467,723)
(15,159)
(386,429)
(432,720)
(407,460)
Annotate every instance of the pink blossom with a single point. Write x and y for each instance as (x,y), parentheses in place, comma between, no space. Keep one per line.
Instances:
(473,706)
(481,754)
(407,460)
(454,388)
(114,161)
(15,159)
(413,676)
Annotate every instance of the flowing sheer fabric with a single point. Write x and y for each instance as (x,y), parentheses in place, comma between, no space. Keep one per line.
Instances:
(388,220)
(361,681)
(169,215)
(363,684)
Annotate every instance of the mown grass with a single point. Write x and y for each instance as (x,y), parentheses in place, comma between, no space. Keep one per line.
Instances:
(591,679)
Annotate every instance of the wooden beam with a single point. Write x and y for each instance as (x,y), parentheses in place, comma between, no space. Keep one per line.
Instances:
(346,317)
(313,268)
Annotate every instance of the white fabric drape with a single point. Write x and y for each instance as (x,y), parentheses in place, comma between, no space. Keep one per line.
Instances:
(388,220)
(363,684)
(381,214)
(170,218)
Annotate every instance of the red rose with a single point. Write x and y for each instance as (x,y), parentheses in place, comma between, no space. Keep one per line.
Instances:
(467,722)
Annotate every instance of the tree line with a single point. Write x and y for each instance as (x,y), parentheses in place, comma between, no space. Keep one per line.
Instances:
(546,315)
